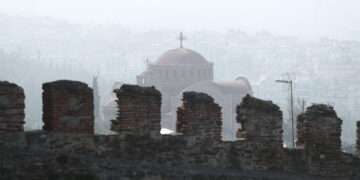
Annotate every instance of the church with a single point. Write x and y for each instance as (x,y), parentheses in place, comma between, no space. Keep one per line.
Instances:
(181,69)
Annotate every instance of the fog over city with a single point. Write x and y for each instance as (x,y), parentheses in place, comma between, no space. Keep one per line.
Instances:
(308,19)
(105,43)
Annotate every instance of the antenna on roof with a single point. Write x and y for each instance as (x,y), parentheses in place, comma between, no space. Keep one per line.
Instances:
(181,38)
(147,61)
(290,78)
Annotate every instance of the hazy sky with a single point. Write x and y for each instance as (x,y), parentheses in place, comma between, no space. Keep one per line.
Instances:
(303,18)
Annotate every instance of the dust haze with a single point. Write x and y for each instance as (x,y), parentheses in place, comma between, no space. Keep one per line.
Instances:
(313,42)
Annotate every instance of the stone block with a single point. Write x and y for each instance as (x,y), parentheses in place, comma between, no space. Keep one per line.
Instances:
(11,107)
(138,111)
(68,107)
(199,116)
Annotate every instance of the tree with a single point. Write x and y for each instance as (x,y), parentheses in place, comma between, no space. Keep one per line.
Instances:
(96,99)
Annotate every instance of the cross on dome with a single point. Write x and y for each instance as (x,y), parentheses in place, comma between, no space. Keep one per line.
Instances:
(181,38)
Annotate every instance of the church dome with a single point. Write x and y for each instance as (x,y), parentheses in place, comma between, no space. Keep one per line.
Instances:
(181,56)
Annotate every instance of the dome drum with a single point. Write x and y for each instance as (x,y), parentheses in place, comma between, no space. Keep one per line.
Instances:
(178,65)
(181,56)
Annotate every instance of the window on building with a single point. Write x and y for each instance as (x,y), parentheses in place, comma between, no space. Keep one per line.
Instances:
(174,74)
(183,75)
(166,74)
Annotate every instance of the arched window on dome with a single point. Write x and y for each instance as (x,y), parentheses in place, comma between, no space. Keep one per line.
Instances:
(198,74)
(191,73)
(160,74)
(175,74)
(166,74)
(151,79)
(204,73)
(183,75)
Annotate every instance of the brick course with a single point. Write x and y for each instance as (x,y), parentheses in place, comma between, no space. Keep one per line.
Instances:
(199,117)
(319,133)
(68,106)
(260,134)
(138,111)
(259,146)
(11,107)
(358,138)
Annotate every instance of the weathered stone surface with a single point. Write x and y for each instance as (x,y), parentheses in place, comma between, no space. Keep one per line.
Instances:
(259,106)
(69,143)
(199,120)
(135,89)
(261,146)
(68,107)
(319,131)
(11,107)
(18,164)
(139,111)
(12,139)
(138,151)
(199,116)
(358,138)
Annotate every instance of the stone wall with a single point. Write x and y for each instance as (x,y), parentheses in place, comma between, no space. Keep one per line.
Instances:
(199,117)
(68,106)
(300,125)
(357,138)
(261,131)
(139,111)
(138,151)
(53,166)
(11,107)
(319,132)
(199,120)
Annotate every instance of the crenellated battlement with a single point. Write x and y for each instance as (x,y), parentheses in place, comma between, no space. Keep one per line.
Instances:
(68,134)
(199,117)
(319,132)
(138,111)
(11,107)
(68,106)
(261,129)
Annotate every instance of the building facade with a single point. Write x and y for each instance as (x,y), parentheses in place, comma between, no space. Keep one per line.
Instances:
(179,70)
